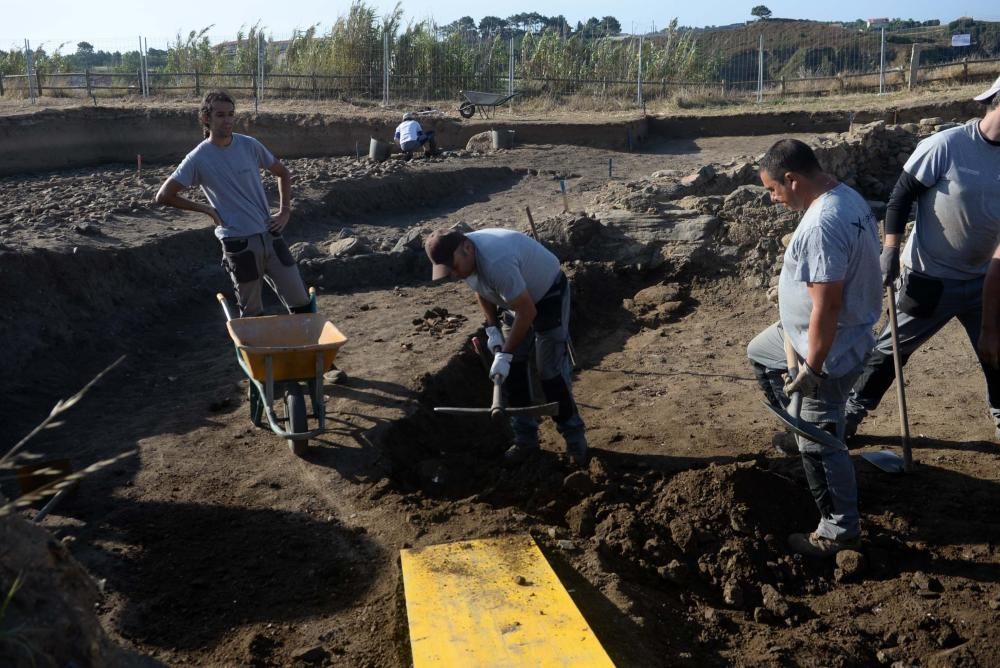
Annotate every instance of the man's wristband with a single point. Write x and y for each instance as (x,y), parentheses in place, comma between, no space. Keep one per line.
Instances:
(818,374)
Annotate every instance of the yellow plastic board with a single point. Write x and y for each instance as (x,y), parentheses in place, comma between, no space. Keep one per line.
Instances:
(493,603)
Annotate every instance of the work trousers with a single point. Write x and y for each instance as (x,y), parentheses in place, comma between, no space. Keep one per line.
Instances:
(547,341)
(257,258)
(924,305)
(829,470)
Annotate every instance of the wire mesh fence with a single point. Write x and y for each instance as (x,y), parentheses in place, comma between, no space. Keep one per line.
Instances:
(365,57)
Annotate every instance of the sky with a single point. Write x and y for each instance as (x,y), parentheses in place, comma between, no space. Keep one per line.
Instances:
(116,25)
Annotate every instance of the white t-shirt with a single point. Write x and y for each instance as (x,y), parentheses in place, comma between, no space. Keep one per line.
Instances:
(837,240)
(508,263)
(958,219)
(408,131)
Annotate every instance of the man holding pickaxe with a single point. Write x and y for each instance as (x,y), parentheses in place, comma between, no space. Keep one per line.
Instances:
(525,298)
(829,296)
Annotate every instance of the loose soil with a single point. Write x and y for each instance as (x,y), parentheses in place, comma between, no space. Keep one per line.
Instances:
(215,546)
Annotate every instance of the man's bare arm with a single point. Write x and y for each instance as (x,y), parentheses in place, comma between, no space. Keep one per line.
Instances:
(989,333)
(169,195)
(827,299)
(280,220)
(524,317)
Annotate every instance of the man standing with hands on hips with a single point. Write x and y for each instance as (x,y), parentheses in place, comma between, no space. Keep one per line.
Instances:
(525,299)
(227,167)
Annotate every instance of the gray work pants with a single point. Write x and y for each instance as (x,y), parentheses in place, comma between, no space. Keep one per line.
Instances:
(829,471)
(263,257)
(547,340)
(924,304)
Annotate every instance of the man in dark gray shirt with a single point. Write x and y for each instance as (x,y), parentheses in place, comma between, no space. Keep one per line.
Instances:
(227,167)
(520,286)
(954,176)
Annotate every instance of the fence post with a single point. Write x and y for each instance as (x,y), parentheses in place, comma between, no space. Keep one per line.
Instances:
(38,82)
(881,65)
(760,70)
(965,72)
(1,84)
(86,77)
(782,86)
(914,63)
(639,81)
(197,84)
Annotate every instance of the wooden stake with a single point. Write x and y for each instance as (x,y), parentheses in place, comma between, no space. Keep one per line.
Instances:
(531,223)
(562,186)
(138,167)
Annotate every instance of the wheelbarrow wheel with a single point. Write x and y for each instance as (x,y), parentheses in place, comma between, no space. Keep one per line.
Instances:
(256,406)
(295,412)
(467,110)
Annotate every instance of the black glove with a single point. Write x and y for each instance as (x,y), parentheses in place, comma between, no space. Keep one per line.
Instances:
(889,262)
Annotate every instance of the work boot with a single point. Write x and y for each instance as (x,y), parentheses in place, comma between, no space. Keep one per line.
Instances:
(812,545)
(518,454)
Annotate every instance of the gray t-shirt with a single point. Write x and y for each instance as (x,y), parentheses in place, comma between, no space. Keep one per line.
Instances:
(837,240)
(230,178)
(958,219)
(508,263)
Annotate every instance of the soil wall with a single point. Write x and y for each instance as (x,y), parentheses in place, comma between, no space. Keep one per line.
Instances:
(66,138)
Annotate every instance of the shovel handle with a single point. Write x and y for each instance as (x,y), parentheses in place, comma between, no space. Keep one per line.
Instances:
(792,360)
(904,421)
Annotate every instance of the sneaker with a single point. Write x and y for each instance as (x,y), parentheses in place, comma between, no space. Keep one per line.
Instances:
(812,545)
(518,454)
(784,442)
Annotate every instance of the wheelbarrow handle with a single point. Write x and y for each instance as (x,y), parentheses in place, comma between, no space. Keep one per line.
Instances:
(225,305)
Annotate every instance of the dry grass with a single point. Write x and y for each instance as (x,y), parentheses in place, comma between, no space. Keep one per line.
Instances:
(692,101)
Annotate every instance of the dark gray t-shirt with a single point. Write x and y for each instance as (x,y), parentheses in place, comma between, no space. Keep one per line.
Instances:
(837,240)
(508,263)
(958,219)
(230,178)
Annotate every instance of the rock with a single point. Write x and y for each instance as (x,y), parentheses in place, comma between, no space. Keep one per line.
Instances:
(579,481)
(922,581)
(946,637)
(682,534)
(850,564)
(912,128)
(88,229)
(774,602)
(945,126)
(675,571)
(655,295)
(311,655)
(581,520)
(348,246)
(302,250)
(666,174)
(732,594)
(480,142)
(580,231)
(763,615)
(461,226)
(994,604)
(410,241)
(703,175)
(565,544)
(931,122)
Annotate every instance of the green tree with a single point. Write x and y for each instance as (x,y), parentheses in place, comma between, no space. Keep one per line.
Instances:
(761,12)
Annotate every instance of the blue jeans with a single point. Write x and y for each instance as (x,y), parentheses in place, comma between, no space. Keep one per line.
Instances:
(925,304)
(829,471)
(547,341)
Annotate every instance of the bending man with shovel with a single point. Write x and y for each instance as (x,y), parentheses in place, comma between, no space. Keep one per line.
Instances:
(525,298)
(829,297)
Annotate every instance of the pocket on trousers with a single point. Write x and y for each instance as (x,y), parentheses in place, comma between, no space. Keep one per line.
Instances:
(234,245)
(240,263)
(919,295)
(280,247)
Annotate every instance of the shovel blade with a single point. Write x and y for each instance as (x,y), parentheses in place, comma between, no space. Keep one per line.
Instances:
(884,460)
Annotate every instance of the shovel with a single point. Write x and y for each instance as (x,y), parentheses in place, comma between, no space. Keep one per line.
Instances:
(886,460)
(791,418)
(498,410)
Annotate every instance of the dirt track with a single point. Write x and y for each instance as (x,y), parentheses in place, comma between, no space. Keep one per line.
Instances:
(219,547)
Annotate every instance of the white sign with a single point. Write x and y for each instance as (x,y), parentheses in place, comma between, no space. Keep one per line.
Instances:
(961,40)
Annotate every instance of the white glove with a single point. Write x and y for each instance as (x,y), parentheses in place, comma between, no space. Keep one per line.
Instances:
(494,338)
(501,366)
(806,381)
